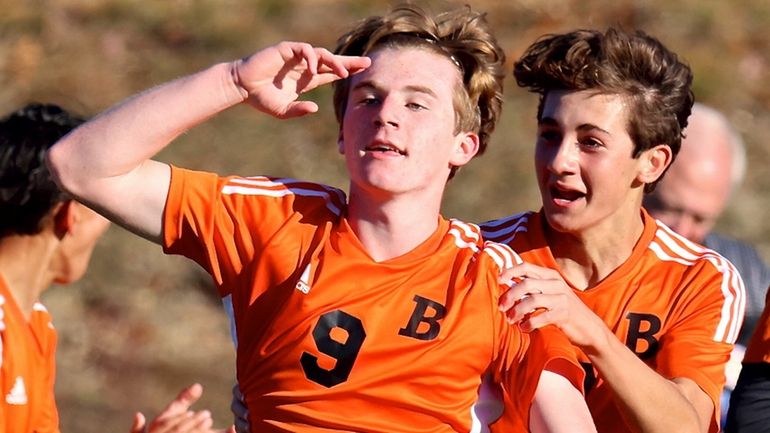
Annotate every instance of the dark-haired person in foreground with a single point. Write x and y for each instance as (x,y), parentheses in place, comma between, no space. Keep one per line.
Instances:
(653,315)
(371,312)
(46,238)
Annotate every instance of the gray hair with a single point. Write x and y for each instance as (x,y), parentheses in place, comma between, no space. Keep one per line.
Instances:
(738,147)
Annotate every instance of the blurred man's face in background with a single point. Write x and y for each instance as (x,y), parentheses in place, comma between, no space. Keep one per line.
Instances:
(697,186)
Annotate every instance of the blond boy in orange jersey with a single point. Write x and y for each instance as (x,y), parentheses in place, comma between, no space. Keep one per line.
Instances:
(653,315)
(46,238)
(750,401)
(368,313)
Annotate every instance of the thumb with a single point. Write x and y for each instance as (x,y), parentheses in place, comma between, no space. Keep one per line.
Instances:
(138,425)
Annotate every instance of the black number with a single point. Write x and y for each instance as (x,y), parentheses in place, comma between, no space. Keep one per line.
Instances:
(345,353)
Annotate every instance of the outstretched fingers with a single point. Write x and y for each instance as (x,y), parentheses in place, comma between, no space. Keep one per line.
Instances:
(273,79)
(340,66)
(324,68)
(183,401)
(190,422)
(321,63)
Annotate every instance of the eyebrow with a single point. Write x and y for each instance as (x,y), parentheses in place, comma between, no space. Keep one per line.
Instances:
(550,121)
(371,85)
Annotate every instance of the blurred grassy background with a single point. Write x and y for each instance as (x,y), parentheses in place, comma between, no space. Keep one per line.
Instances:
(141,325)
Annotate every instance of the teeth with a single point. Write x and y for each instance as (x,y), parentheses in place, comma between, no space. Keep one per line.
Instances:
(384,149)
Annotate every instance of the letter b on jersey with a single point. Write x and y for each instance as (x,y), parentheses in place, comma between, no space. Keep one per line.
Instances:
(420,316)
(642,327)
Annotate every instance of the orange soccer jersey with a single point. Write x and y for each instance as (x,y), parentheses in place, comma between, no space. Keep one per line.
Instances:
(677,305)
(328,339)
(28,368)
(759,346)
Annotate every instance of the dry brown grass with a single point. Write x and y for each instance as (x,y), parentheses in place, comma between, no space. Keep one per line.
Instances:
(133,332)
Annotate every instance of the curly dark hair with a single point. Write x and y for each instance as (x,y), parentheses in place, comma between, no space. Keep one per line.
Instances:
(462,35)
(634,65)
(27,191)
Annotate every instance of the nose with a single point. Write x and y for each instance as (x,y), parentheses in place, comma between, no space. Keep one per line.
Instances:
(561,158)
(386,115)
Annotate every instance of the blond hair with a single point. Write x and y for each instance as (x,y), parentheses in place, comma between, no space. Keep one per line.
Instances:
(462,35)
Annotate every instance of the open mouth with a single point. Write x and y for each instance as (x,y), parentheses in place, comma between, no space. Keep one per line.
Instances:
(385,148)
(565,196)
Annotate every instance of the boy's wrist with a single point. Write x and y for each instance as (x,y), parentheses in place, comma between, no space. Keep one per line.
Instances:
(234,81)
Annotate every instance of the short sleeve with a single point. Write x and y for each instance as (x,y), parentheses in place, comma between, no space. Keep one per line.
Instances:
(197,224)
(548,349)
(698,345)
(225,223)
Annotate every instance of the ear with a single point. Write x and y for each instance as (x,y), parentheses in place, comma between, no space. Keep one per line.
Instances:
(466,147)
(654,162)
(64,218)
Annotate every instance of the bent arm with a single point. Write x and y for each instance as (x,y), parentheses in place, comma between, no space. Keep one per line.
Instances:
(648,401)
(106,162)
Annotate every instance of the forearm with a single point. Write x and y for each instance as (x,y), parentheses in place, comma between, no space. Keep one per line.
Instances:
(649,402)
(120,140)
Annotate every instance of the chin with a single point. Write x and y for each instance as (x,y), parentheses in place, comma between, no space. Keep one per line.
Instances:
(70,276)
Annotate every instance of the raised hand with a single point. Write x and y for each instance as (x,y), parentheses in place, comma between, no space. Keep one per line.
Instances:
(272,79)
(178,418)
(539,297)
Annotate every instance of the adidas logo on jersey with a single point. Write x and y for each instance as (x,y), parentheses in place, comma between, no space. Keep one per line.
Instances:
(303,285)
(18,394)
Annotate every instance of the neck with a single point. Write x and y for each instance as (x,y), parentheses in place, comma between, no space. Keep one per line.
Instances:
(393,225)
(24,265)
(587,257)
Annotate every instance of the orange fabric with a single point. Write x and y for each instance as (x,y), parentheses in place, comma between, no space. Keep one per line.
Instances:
(693,295)
(28,369)
(759,346)
(328,339)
